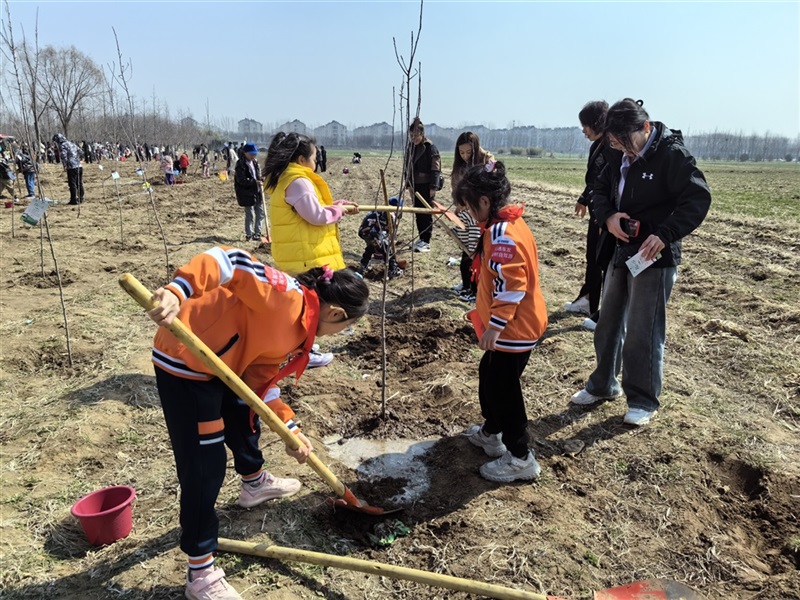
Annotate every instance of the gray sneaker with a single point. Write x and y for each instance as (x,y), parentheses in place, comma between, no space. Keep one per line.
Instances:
(509,468)
(491,443)
(420,246)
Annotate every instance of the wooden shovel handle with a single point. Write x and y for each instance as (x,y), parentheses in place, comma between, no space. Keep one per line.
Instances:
(471,586)
(402,209)
(197,347)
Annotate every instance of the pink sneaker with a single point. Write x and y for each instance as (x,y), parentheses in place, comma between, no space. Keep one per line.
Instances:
(269,488)
(210,584)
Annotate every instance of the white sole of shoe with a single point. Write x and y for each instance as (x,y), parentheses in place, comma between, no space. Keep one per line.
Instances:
(527,475)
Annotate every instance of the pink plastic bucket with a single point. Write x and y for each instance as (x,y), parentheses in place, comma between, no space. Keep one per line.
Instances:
(106,515)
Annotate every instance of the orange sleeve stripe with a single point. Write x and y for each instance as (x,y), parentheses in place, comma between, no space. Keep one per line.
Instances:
(207,427)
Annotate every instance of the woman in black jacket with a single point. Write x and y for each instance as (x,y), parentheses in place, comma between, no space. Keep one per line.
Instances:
(592,117)
(247,184)
(648,198)
(423,176)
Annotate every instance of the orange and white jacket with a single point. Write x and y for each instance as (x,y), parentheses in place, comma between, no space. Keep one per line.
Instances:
(509,298)
(252,316)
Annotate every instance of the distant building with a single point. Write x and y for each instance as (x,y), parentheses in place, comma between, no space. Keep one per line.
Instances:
(189,122)
(333,134)
(251,128)
(378,135)
(293,127)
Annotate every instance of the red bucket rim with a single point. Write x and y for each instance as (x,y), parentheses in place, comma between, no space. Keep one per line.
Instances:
(129,500)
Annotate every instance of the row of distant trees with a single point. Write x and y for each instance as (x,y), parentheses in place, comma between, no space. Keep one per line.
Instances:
(68,92)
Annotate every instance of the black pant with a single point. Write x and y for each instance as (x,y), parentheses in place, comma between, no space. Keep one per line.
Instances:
(200,415)
(595,272)
(500,395)
(466,274)
(75,182)
(424,222)
(372,247)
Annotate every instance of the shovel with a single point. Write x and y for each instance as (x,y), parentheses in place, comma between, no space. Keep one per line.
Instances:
(401,209)
(652,589)
(346,498)
(441,210)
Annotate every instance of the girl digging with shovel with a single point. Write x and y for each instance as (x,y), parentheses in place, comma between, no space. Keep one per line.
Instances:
(255,318)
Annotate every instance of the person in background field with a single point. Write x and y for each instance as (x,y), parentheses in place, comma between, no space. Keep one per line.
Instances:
(423,172)
(220,295)
(468,153)
(322,155)
(27,167)
(374,230)
(302,211)
(7,178)
(247,185)
(183,163)
(204,161)
(232,156)
(70,158)
(511,317)
(592,117)
(167,166)
(649,197)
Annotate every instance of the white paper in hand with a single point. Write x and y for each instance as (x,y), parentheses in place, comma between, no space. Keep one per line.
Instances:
(637,263)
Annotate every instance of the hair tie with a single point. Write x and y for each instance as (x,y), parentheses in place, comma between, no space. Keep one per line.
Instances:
(327,274)
(490,166)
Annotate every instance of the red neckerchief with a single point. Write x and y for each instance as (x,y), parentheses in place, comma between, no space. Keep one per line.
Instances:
(510,213)
(299,363)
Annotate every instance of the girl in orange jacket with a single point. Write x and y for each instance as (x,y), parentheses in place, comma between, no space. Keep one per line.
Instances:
(254,318)
(511,317)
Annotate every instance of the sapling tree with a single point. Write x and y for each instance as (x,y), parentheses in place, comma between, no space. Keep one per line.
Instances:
(9,50)
(121,73)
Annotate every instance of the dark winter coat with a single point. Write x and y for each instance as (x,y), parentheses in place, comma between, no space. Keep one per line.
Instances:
(664,190)
(25,163)
(426,165)
(248,188)
(69,153)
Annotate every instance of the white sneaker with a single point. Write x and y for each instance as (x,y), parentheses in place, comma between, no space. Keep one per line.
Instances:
(269,488)
(584,398)
(420,246)
(589,324)
(638,416)
(581,306)
(319,359)
(492,443)
(315,348)
(509,468)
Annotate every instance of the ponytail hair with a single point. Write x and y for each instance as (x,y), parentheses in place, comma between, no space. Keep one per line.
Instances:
(284,149)
(342,288)
(483,180)
(625,118)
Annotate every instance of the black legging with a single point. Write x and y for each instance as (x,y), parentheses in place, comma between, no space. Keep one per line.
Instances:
(424,222)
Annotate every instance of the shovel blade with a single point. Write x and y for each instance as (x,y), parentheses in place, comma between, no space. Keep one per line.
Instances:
(651,589)
(449,215)
(349,501)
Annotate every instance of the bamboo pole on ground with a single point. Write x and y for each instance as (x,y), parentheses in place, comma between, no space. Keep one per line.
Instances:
(459,584)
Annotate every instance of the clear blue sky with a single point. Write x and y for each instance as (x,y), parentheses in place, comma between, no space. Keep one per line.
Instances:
(698,65)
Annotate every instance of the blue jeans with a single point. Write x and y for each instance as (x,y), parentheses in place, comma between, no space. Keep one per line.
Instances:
(630,335)
(253,213)
(30,183)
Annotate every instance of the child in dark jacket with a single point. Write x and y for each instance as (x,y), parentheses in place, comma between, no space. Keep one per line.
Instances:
(247,184)
(374,230)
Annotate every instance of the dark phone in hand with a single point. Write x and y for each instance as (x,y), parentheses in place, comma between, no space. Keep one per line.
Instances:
(630,227)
